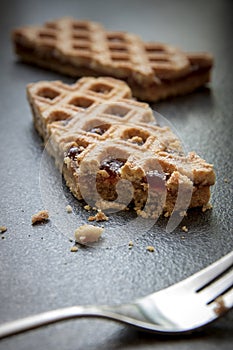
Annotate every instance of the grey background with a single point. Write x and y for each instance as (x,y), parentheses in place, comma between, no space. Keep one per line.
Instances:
(37,270)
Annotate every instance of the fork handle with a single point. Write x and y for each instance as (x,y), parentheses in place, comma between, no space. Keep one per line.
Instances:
(49,317)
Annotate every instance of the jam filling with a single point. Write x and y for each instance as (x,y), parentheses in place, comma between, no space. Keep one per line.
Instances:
(112,166)
(74,151)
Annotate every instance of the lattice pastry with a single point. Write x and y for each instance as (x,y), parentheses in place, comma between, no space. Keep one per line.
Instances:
(153,70)
(111,150)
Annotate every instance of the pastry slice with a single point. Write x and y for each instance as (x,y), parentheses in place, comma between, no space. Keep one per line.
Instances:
(154,71)
(111,150)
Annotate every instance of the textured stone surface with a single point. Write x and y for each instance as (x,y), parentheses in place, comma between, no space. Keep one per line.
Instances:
(37,270)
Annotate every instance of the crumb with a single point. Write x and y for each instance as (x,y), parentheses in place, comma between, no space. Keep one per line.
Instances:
(184,228)
(220,306)
(69,209)
(100,216)
(87,207)
(3,229)
(74,249)
(182,237)
(183,213)
(41,216)
(166,215)
(226,180)
(3,237)
(150,248)
(130,244)
(207,207)
(88,233)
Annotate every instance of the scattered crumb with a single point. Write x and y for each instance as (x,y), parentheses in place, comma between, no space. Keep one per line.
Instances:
(182,237)
(41,216)
(100,216)
(207,207)
(3,229)
(150,248)
(74,249)
(226,180)
(166,214)
(220,307)
(87,207)
(69,209)
(88,233)
(183,213)
(184,228)
(130,245)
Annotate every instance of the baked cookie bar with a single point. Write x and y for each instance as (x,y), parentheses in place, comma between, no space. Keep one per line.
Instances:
(153,70)
(111,150)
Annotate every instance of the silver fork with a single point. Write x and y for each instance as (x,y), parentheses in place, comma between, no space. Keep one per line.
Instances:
(183,307)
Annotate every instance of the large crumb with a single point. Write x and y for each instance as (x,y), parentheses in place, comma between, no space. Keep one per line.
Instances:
(69,209)
(184,228)
(88,233)
(3,229)
(100,216)
(41,216)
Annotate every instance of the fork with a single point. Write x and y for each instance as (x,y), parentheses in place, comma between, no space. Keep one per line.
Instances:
(183,307)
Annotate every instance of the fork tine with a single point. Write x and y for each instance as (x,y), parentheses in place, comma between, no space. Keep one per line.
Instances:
(217,288)
(205,276)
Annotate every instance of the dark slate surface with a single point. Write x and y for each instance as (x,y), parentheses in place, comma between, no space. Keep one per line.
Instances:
(37,270)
